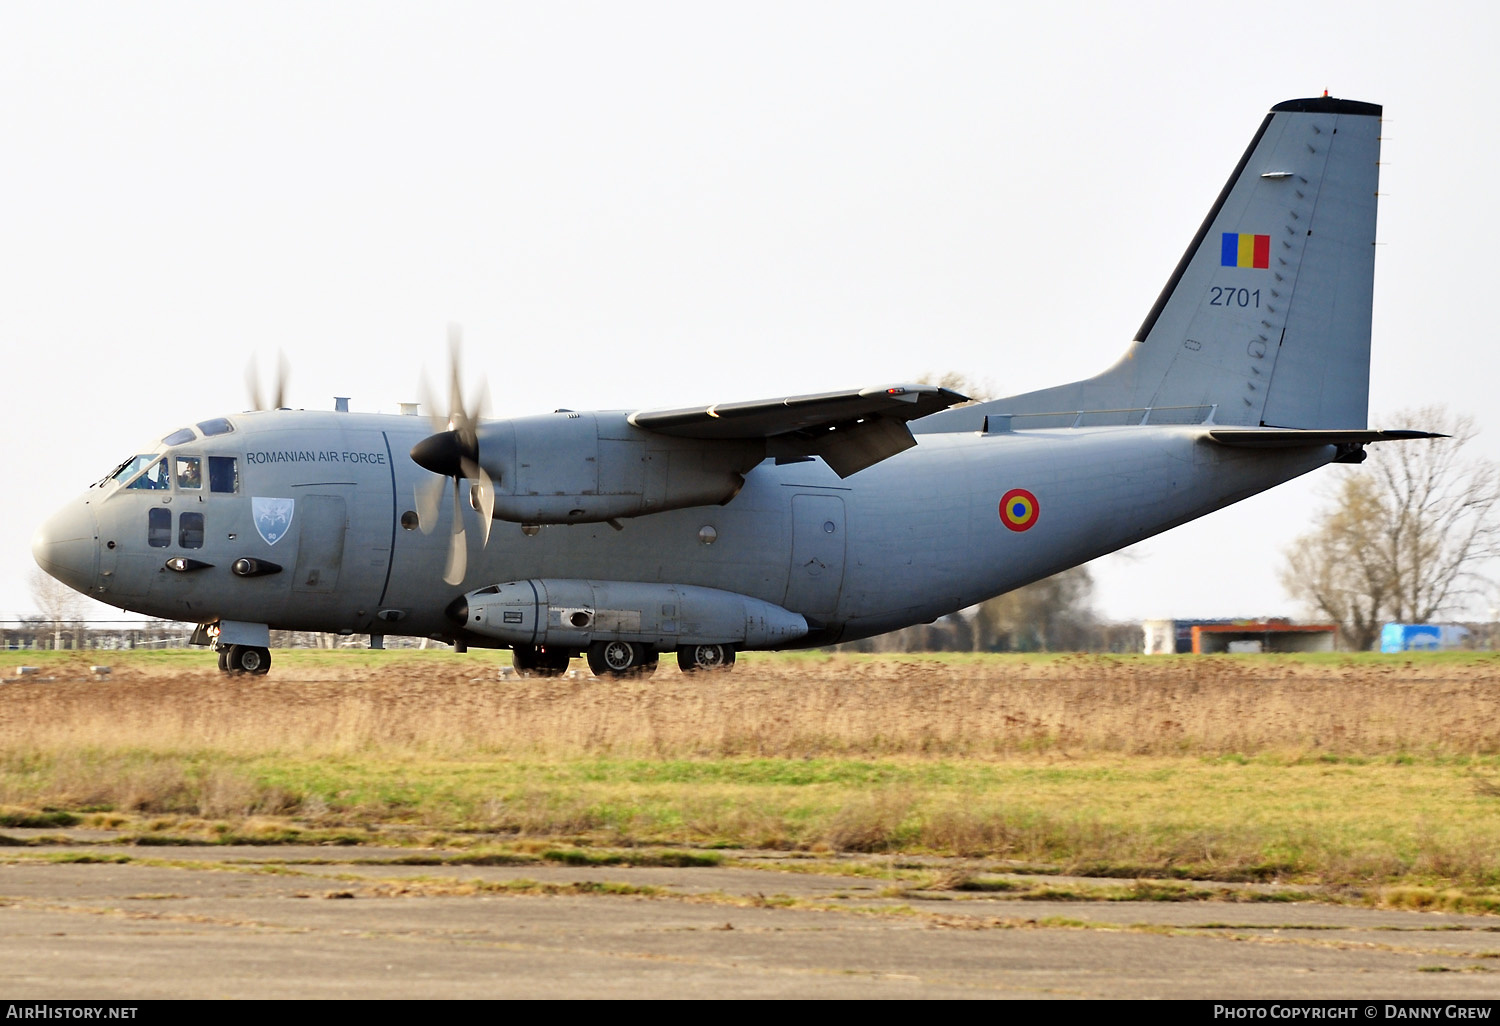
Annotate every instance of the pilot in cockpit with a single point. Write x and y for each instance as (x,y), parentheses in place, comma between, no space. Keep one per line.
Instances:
(189,475)
(156,478)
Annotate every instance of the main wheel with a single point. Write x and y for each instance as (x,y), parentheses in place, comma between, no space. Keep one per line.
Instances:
(249,659)
(554,660)
(616,658)
(540,660)
(698,658)
(224,659)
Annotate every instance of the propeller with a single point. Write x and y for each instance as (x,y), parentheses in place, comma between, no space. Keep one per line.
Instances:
(453,451)
(252,384)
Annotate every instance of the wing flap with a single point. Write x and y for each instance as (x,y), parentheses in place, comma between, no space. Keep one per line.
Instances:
(850,430)
(768,418)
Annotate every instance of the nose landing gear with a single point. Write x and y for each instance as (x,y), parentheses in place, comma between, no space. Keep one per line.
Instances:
(245,659)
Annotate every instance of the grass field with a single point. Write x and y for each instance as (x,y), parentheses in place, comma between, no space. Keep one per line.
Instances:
(1374,776)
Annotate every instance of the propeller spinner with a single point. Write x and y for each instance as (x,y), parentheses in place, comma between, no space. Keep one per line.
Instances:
(454,452)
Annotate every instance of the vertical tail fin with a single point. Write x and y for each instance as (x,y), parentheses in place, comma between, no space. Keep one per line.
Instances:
(1266,318)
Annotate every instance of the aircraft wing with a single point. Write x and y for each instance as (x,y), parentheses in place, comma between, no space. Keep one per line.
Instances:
(1287,438)
(851,430)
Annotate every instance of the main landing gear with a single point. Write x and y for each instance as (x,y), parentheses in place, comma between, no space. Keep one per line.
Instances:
(628,659)
(621,659)
(540,660)
(700,658)
(245,659)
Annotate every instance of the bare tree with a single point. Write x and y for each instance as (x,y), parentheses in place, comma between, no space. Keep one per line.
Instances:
(1339,569)
(1406,535)
(977,391)
(58,605)
(1049,615)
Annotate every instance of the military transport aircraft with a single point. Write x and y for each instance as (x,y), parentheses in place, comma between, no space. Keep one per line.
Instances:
(790,522)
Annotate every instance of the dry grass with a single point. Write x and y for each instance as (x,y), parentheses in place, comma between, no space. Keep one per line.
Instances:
(834,708)
(1342,773)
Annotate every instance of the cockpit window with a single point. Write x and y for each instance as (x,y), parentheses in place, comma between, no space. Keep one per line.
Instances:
(223,474)
(217,426)
(155,477)
(131,467)
(189,472)
(179,436)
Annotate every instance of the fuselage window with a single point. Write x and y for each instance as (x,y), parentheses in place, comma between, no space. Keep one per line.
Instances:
(189,472)
(179,436)
(223,474)
(158,527)
(155,477)
(190,530)
(217,426)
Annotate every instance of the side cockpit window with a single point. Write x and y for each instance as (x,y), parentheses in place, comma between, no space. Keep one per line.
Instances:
(189,472)
(223,474)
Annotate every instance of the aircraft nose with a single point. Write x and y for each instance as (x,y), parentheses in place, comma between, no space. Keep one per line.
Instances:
(67,546)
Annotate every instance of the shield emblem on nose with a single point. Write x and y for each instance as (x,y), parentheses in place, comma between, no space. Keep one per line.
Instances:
(273,517)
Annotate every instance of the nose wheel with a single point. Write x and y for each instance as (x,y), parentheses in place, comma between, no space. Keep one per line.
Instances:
(245,659)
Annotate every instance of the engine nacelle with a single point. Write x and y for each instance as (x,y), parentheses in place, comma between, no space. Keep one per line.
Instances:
(574,613)
(578,468)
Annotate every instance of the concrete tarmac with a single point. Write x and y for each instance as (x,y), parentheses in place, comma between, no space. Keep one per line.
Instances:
(316,922)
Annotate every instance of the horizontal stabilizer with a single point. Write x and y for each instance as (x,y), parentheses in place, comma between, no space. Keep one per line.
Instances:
(1290,438)
(850,430)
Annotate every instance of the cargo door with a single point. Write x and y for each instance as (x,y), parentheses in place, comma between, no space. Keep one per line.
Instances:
(817,571)
(320,552)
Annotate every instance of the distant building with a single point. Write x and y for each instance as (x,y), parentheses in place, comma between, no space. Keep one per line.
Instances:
(1205,636)
(1424,637)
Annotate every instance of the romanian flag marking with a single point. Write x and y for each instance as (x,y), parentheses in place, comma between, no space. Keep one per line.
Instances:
(1018,509)
(1239,250)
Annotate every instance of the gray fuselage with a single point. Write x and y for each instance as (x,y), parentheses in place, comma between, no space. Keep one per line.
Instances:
(910,539)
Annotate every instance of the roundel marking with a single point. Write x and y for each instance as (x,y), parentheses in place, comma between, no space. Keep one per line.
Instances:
(1019,509)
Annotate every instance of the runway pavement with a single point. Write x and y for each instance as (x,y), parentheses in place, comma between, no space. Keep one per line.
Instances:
(313,922)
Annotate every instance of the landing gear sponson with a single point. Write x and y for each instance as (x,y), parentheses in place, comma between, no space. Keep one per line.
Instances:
(619,659)
(622,626)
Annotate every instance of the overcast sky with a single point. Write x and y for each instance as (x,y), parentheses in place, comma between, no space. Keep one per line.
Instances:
(633,204)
